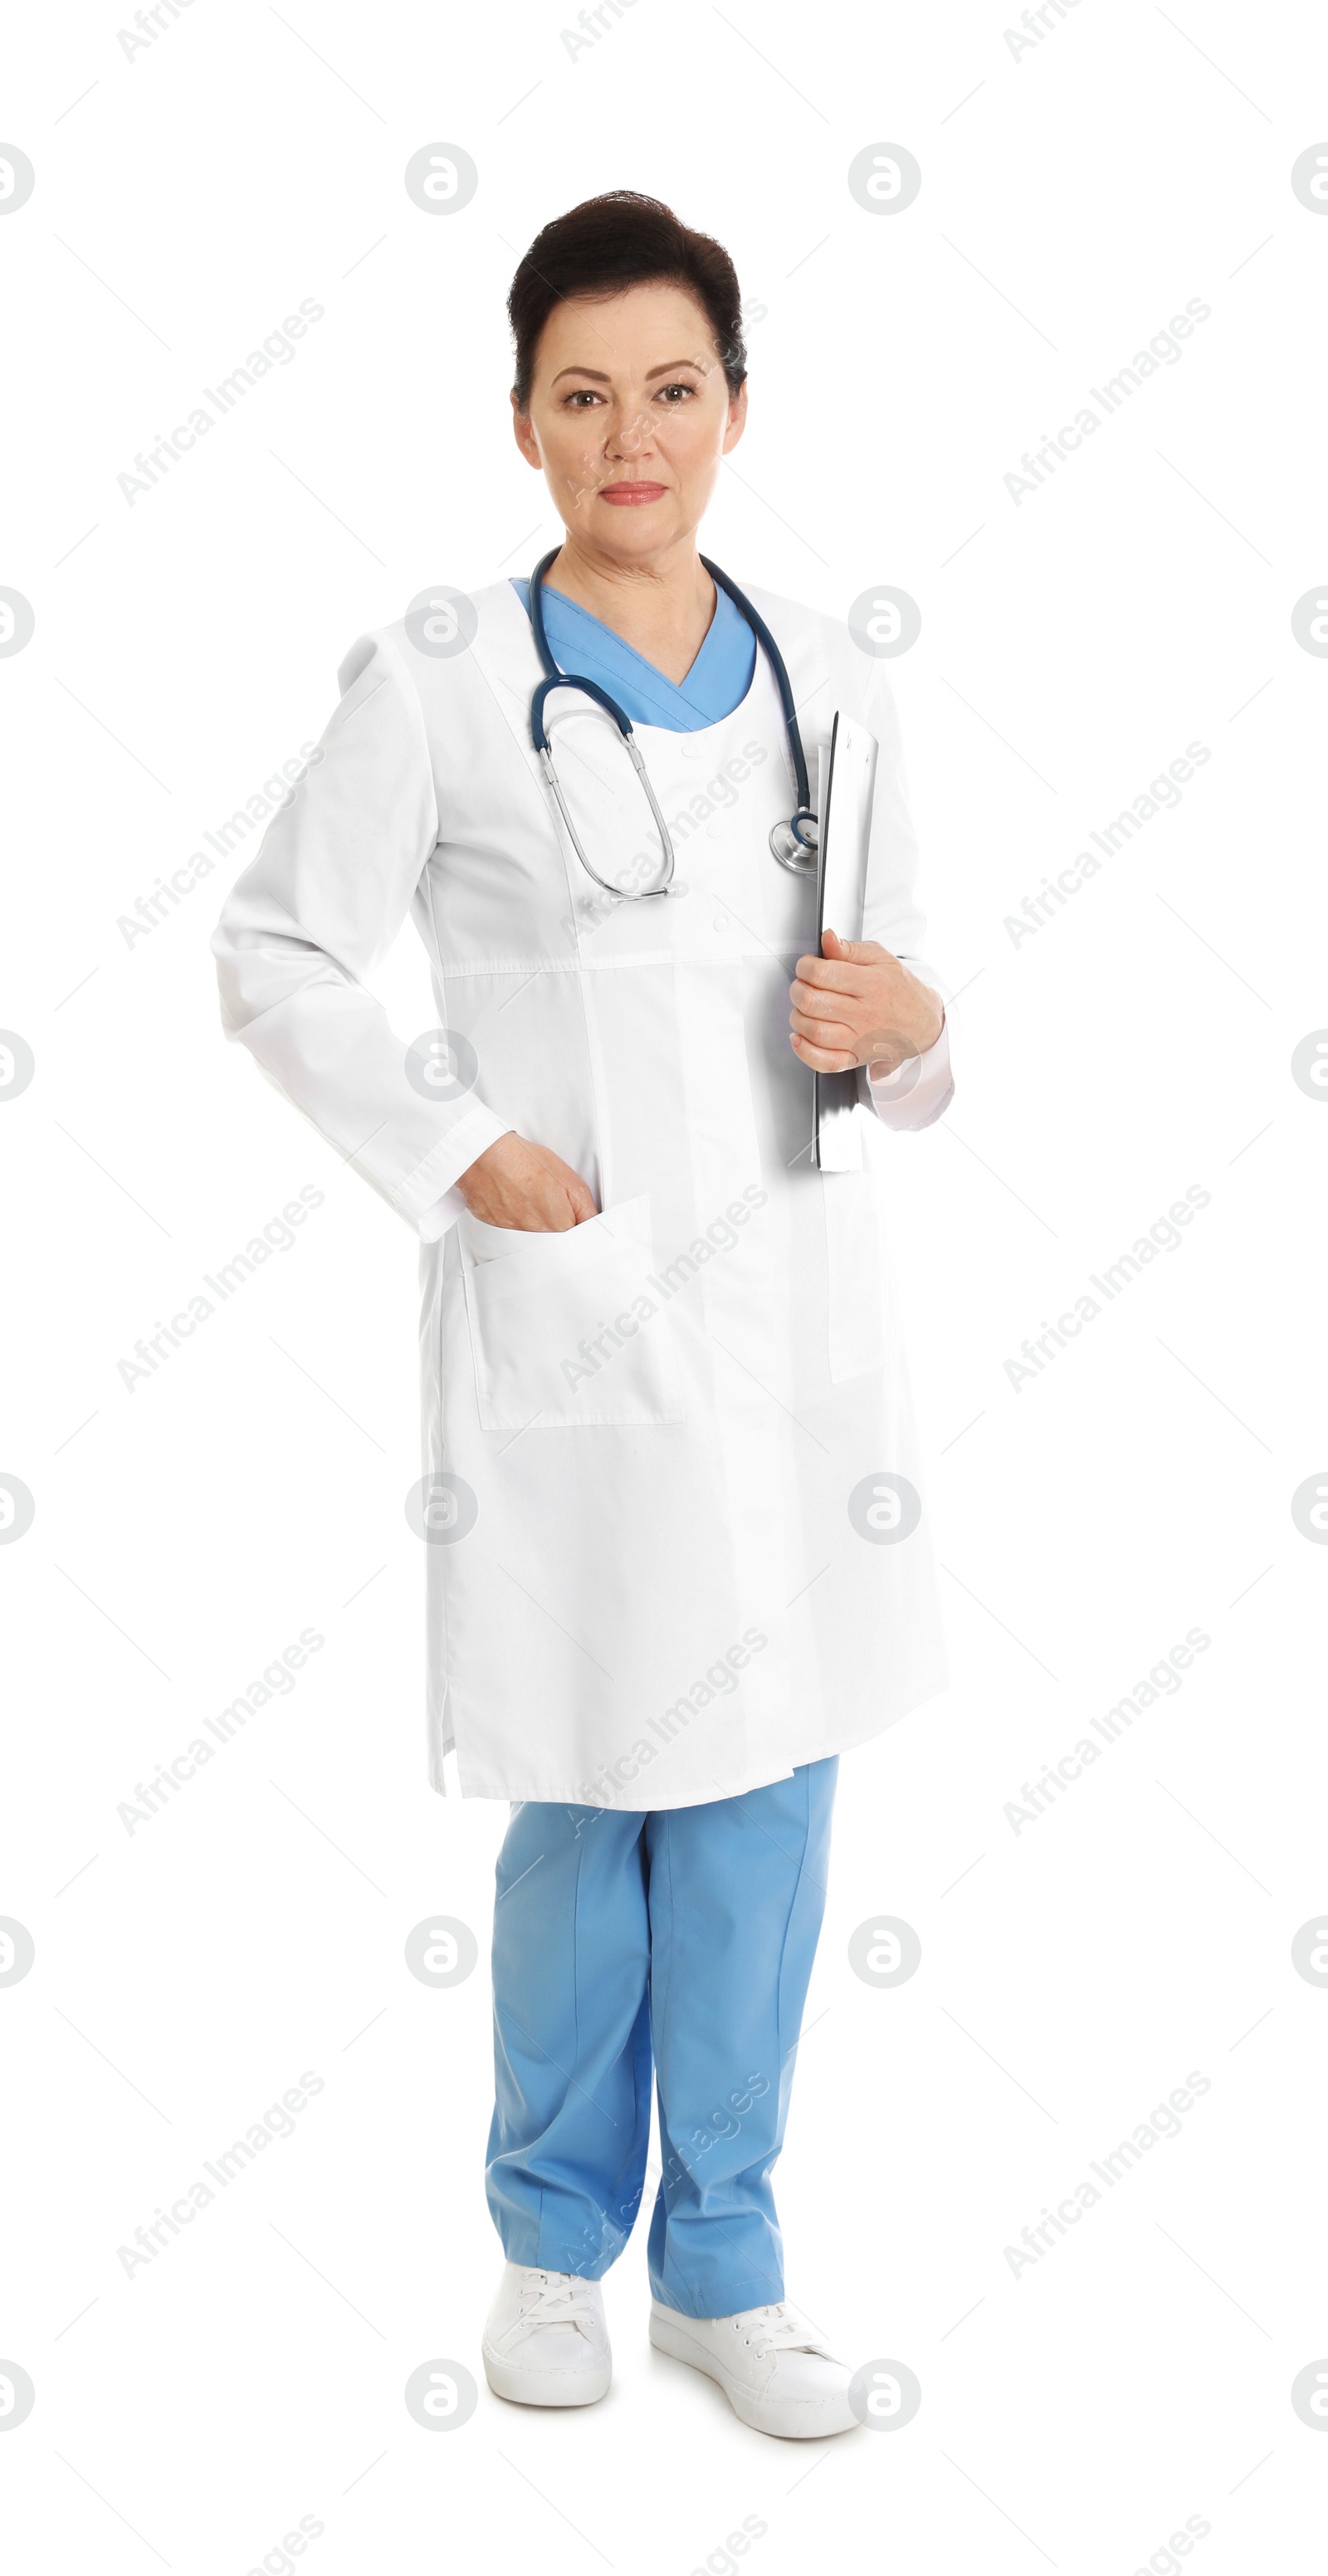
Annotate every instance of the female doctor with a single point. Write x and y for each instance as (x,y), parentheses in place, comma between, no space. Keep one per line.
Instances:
(677,1562)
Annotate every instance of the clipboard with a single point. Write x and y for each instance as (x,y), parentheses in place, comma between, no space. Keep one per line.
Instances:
(846,780)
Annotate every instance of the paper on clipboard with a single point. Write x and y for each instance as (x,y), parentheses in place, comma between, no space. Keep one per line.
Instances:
(846,778)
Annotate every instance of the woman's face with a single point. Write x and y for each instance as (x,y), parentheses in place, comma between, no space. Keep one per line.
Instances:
(630,413)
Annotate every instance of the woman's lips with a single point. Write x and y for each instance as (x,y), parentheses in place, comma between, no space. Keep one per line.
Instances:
(627,495)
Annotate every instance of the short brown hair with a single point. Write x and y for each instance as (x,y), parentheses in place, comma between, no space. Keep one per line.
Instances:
(612,242)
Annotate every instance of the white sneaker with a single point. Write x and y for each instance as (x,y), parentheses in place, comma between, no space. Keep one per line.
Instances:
(772,2366)
(545,2339)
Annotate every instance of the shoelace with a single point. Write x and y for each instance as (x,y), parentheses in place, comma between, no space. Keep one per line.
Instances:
(559,2298)
(779,2328)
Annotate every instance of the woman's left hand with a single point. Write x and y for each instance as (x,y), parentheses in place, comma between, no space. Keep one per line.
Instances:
(856,1004)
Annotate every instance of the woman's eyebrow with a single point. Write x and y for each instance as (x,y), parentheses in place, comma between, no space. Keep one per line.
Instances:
(600,378)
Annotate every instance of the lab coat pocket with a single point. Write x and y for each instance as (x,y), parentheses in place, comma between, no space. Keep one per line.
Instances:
(855,1280)
(564,1328)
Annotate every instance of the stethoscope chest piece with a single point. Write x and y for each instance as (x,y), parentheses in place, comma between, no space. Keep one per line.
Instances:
(794,843)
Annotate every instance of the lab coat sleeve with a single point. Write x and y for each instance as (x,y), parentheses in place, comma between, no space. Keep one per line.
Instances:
(311,917)
(918,1093)
(922,1089)
(444,1212)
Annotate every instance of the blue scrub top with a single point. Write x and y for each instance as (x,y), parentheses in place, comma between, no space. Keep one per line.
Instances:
(717,682)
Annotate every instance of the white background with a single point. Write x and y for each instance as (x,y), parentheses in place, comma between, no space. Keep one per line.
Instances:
(1072,1974)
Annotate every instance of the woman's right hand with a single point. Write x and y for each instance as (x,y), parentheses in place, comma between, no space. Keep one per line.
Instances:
(524,1186)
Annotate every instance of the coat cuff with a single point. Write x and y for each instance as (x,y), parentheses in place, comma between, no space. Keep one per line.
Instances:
(917,1092)
(423,1193)
(444,1212)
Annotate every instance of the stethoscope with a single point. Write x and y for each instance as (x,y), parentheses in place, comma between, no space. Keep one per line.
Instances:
(794,843)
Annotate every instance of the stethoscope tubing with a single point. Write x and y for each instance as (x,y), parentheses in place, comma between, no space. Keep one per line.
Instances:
(794,848)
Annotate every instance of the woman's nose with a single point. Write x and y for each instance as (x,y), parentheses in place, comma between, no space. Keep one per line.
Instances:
(627,437)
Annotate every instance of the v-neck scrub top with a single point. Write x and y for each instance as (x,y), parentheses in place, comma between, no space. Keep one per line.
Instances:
(717,682)
(671,1505)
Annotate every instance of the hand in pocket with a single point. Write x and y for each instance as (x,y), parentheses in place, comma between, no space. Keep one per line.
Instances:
(526,1187)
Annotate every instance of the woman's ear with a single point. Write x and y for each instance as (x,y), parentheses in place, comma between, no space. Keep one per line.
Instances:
(525,436)
(737,419)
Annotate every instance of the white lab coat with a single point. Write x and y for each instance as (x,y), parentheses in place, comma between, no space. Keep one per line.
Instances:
(658,1571)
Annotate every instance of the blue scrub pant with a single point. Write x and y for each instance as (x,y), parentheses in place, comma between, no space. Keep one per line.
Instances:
(685,1937)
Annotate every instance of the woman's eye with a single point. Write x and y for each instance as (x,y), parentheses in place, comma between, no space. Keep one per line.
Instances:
(582,397)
